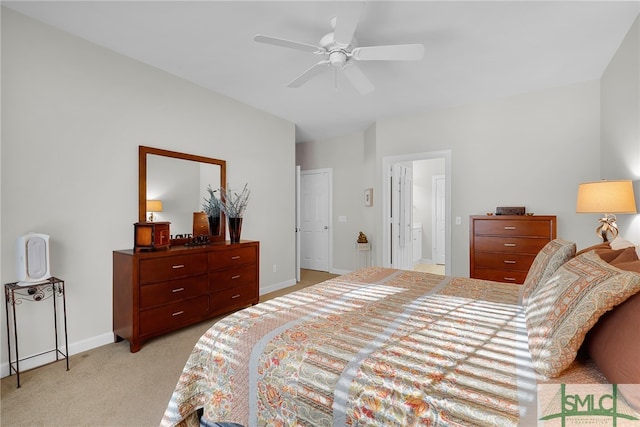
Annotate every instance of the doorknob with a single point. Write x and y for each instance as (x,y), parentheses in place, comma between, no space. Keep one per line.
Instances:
(326,227)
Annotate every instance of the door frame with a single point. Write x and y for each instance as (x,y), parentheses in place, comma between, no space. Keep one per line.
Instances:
(329,254)
(387,162)
(434,216)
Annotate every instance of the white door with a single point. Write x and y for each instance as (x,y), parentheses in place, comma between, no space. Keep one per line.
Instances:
(298,233)
(401,213)
(315,219)
(439,219)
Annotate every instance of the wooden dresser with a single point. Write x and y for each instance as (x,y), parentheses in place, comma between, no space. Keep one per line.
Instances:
(160,291)
(503,247)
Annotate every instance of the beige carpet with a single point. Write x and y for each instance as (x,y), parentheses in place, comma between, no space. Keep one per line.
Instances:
(109,386)
(430,268)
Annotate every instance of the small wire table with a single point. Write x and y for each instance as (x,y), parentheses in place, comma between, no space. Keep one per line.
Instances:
(16,294)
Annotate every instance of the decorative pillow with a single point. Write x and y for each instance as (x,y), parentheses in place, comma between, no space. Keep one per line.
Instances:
(599,247)
(614,346)
(620,243)
(625,255)
(562,310)
(551,256)
(630,266)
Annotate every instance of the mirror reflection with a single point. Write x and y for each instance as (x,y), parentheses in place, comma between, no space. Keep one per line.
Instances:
(181,186)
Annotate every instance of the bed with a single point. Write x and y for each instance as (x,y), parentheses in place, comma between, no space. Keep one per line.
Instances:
(384,347)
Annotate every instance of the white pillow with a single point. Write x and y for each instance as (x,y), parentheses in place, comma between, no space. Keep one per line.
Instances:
(620,243)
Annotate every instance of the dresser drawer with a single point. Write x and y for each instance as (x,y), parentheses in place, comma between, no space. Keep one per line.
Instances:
(234,297)
(503,261)
(174,315)
(233,257)
(232,277)
(509,244)
(513,227)
(500,275)
(167,268)
(172,291)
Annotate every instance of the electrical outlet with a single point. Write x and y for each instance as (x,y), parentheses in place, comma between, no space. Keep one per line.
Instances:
(275,268)
(458,220)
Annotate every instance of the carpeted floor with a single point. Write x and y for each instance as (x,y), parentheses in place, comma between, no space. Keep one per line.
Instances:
(109,386)
(430,268)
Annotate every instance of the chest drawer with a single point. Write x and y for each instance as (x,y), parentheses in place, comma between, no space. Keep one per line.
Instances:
(173,315)
(232,277)
(172,291)
(513,227)
(234,297)
(504,261)
(509,244)
(500,275)
(167,268)
(233,257)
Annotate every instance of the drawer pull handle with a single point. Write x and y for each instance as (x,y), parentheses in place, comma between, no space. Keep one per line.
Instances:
(178,266)
(510,279)
(506,261)
(235,257)
(509,228)
(177,290)
(510,245)
(177,313)
(235,296)
(237,276)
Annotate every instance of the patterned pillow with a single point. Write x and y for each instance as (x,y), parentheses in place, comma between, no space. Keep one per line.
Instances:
(561,312)
(549,259)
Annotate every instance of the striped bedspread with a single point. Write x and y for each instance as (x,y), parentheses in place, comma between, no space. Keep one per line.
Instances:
(377,347)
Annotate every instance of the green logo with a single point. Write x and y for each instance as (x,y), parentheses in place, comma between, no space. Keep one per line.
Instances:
(587,405)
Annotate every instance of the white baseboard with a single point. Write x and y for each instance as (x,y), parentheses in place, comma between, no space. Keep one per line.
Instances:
(277,286)
(43,359)
(338,271)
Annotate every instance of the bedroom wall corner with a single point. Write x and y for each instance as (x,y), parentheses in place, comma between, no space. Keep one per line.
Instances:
(76,113)
(620,118)
(344,155)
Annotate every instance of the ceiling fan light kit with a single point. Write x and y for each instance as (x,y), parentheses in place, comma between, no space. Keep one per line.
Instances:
(341,52)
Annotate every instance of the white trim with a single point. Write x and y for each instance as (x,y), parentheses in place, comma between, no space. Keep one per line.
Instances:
(277,286)
(386,167)
(74,348)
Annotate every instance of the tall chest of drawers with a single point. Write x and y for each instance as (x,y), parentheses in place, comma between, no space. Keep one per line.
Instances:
(161,291)
(503,247)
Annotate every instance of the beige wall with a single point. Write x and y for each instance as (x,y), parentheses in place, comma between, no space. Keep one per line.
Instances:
(73,116)
(343,155)
(620,112)
(528,150)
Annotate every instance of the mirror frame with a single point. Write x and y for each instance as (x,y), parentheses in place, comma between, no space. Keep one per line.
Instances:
(142,183)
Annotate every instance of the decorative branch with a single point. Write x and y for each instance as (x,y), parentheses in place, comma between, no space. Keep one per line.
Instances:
(232,203)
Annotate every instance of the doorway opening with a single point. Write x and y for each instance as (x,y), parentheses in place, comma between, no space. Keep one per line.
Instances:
(416,195)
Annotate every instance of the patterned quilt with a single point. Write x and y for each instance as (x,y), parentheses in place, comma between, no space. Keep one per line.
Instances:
(377,347)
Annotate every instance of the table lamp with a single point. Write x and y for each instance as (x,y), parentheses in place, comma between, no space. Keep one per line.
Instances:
(153,206)
(608,198)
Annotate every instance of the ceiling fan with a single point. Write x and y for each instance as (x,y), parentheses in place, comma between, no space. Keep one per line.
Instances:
(339,50)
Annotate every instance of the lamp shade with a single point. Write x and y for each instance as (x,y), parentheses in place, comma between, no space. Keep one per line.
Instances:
(606,197)
(154,205)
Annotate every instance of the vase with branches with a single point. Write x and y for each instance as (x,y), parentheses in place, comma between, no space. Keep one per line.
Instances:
(234,204)
(212,207)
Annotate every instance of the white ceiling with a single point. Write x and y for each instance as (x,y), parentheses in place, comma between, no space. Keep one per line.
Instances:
(474,50)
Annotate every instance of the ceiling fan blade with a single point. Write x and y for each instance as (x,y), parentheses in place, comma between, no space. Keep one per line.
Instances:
(347,21)
(357,78)
(400,52)
(260,38)
(309,74)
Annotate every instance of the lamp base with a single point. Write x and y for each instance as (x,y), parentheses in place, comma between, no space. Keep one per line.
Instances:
(607,225)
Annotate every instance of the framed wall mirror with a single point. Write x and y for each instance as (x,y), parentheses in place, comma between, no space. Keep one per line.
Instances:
(179,181)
